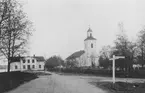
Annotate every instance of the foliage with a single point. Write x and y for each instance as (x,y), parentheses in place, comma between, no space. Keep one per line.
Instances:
(141,46)
(54,61)
(123,47)
(105,54)
(105,63)
(134,51)
(71,63)
(14,29)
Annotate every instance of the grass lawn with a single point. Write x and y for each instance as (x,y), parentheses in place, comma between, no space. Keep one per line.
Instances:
(121,87)
(12,80)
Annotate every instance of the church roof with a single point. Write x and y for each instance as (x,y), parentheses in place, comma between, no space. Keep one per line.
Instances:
(76,55)
(89,30)
(90,38)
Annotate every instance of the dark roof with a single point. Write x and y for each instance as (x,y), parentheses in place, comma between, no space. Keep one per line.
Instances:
(39,58)
(17,59)
(90,38)
(89,30)
(76,55)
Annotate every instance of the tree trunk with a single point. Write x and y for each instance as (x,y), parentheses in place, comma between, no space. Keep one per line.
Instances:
(8,69)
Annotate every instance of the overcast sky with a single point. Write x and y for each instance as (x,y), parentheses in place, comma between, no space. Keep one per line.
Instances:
(61,25)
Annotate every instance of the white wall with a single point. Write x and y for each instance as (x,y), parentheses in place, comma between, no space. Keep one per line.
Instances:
(42,65)
(30,63)
(89,51)
(13,66)
(20,65)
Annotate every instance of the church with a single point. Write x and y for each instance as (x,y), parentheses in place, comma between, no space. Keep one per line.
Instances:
(87,57)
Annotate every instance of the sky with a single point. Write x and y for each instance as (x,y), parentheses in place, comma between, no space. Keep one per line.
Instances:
(61,25)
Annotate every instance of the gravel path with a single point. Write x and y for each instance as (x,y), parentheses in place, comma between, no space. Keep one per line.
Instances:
(57,84)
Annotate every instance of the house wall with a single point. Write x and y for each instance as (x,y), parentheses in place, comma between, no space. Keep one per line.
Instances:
(27,64)
(15,66)
(40,65)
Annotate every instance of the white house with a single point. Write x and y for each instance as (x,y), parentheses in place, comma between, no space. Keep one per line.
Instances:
(88,56)
(27,63)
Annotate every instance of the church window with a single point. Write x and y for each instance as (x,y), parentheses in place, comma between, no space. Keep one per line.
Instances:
(91,45)
(90,34)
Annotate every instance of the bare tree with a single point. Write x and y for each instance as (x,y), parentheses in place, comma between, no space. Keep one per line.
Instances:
(141,46)
(125,48)
(15,30)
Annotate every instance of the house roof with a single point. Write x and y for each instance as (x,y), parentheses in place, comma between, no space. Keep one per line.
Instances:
(39,58)
(17,59)
(90,38)
(76,55)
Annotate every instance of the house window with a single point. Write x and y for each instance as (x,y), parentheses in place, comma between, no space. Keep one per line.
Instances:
(28,67)
(91,45)
(28,61)
(33,66)
(33,61)
(24,67)
(16,67)
(39,66)
(23,60)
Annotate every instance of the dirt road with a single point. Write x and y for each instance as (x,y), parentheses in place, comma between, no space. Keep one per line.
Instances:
(57,84)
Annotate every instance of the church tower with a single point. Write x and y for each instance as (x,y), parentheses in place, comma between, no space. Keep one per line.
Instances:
(90,48)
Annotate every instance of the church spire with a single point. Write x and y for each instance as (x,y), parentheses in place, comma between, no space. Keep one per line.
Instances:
(89,30)
(90,35)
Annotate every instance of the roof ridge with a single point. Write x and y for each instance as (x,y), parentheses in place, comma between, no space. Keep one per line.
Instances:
(76,54)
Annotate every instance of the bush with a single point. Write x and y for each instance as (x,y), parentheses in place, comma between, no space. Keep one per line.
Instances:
(53,62)
(102,72)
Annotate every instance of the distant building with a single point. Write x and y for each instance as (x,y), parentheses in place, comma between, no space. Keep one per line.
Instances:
(27,63)
(88,56)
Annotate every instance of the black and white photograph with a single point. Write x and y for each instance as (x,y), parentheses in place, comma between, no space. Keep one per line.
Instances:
(72,46)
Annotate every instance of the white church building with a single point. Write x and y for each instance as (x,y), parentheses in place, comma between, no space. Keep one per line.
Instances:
(88,56)
(27,63)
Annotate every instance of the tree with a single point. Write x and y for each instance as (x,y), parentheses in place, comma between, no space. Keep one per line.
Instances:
(72,63)
(104,57)
(141,46)
(14,28)
(54,61)
(124,48)
(104,62)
